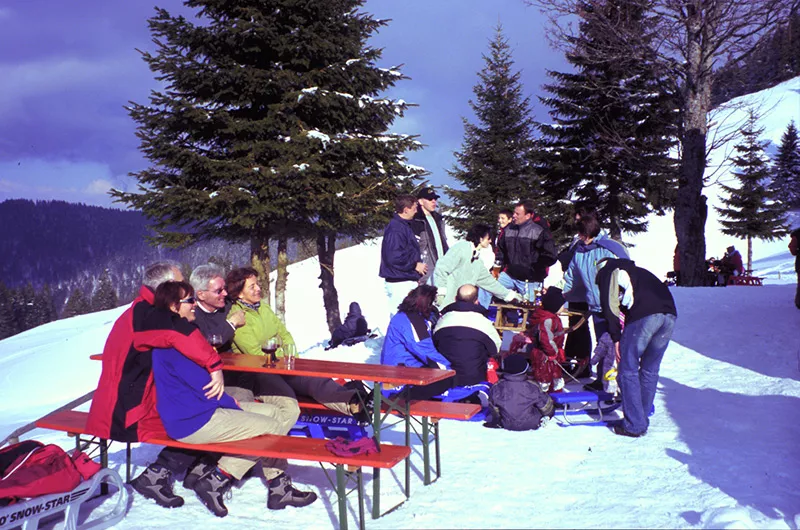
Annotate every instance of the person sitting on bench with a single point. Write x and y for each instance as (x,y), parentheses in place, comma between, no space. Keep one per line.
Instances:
(408,340)
(262,324)
(193,412)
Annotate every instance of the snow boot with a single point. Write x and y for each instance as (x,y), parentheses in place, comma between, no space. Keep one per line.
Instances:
(197,470)
(155,483)
(211,489)
(282,494)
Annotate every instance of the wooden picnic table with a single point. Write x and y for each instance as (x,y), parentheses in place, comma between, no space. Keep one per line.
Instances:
(378,374)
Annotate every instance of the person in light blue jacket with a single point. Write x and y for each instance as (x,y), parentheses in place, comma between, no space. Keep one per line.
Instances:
(579,280)
(409,340)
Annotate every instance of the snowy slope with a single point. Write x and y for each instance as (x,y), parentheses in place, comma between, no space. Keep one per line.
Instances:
(721,448)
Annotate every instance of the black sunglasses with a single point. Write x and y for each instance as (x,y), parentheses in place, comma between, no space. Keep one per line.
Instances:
(189,300)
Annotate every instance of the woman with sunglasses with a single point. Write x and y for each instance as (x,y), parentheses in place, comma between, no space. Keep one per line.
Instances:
(193,413)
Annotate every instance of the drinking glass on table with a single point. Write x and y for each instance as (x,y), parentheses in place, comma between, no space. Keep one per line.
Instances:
(270,347)
(215,340)
(289,355)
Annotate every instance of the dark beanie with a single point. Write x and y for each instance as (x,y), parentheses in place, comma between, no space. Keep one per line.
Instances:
(552,300)
(515,364)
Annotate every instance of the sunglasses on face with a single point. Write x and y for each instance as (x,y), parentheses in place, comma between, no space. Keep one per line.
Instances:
(216,291)
(189,300)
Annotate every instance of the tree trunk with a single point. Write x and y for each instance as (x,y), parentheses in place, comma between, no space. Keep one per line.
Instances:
(260,261)
(749,253)
(280,281)
(326,248)
(691,209)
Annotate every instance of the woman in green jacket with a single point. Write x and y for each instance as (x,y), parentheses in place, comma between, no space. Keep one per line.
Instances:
(261,324)
(461,265)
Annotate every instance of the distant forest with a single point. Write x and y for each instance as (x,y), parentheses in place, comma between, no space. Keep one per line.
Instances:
(53,251)
(775,59)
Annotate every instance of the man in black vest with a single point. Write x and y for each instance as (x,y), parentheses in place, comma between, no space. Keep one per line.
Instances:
(650,316)
(428,226)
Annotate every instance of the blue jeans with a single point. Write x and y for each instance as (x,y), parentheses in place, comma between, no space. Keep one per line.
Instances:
(641,349)
(519,285)
(484,298)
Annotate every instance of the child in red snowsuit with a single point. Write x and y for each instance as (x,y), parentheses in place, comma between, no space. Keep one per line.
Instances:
(544,342)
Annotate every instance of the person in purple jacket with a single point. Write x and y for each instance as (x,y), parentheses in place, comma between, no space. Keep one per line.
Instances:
(191,415)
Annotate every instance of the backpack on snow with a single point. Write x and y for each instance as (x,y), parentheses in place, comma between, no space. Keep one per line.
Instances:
(30,469)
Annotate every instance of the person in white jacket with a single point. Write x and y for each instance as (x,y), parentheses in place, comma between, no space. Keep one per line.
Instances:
(462,265)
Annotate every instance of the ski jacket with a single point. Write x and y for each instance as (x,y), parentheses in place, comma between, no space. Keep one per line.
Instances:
(400,252)
(543,343)
(408,342)
(259,326)
(460,266)
(424,234)
(354,325)
(124,404)
(623,284)
(579,280)
(466,337)
(179,380)
(526,251)
(518,403)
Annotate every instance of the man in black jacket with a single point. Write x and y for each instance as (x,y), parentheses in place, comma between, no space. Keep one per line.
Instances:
(211,313)
(650,316)
(429,228)
(526,250)
(466,337)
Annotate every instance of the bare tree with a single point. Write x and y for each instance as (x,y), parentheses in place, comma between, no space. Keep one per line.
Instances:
(696,35)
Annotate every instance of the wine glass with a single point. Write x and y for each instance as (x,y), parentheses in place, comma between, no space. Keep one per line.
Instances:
(215,340)
(270,347)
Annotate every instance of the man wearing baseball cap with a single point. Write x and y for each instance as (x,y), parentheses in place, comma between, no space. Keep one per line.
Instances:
(429,228)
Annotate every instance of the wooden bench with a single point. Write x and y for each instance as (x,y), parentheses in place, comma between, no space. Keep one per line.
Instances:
(267,446)
(429,414)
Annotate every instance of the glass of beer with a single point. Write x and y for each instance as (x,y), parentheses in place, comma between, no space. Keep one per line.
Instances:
(289,355)
(269,348)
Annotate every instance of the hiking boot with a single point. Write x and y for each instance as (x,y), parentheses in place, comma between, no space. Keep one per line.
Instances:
(282,494)
(198,469)
(155,483)
(622,431)
(594,386)
(211,489)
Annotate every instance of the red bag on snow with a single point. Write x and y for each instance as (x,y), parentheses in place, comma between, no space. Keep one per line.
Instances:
(30,469)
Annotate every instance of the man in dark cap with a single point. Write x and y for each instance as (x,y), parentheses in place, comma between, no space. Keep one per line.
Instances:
(429,228)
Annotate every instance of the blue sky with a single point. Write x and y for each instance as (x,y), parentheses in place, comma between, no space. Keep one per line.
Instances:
(67,69)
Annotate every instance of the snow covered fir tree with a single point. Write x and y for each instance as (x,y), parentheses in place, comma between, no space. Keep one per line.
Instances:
(271,125)
(494,162)
(786,169)
(613,127)
(750,210)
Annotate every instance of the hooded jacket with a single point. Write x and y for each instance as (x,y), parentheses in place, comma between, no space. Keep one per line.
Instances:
(518,403)
(408,342)
(124,404)
(579,280)
(260,325)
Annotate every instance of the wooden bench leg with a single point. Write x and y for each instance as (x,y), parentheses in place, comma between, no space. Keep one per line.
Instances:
(341,494)
(426,457)
(438,454)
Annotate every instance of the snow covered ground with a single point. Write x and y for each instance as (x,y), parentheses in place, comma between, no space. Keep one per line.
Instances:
(721,450)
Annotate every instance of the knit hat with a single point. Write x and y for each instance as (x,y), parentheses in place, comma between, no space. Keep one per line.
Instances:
(515,364)
(552,300)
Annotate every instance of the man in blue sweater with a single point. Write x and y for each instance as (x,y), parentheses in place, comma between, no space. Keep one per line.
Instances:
(401,263)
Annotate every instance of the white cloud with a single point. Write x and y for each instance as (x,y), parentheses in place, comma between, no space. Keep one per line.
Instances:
(98,186)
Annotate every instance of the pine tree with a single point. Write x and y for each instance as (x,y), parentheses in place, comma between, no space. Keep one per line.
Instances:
(271,125)
(8,323)
(105,297)
(613,127)
(77,304)
(44,310)
(786,169)
(494,161)
(750,210)
(25,307)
